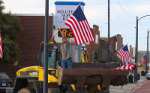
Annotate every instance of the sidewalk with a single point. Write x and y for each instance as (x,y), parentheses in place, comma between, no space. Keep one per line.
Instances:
(143,87)
(129,88)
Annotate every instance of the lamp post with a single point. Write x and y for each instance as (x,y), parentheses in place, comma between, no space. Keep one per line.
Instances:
(136,44)
(147,60)
(45,85)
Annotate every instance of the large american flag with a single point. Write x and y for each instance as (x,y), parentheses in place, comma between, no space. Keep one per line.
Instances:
(80,27)
(124,55)
(1,50)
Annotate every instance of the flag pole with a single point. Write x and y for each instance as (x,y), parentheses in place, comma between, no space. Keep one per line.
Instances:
(45,84)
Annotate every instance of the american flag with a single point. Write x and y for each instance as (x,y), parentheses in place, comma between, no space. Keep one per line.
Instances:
(124,55)
(80,27)
(1,50)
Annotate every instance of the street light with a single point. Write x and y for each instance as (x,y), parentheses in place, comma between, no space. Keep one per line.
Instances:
(136,49)
(147,60)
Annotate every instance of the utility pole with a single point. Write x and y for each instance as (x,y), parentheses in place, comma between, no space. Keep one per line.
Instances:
(45,85)
(136,44)
(109,57)
(108,19)
(147,62)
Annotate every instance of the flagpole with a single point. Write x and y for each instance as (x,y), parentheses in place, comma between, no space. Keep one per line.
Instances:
(45,84)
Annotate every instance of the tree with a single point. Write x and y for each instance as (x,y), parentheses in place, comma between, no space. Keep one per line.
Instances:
(9,26)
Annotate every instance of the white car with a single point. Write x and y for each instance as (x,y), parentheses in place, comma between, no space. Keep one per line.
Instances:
(147,75)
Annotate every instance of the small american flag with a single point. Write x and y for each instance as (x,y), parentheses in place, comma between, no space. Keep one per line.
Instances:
(124,55)
(80,27)
(1,50)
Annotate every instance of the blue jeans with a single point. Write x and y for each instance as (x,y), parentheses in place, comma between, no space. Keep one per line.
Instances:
(66,63)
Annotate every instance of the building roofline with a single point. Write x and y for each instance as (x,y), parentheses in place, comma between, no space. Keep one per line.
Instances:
(29,14)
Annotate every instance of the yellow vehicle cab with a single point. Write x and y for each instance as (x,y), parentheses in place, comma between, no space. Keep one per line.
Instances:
(37,72)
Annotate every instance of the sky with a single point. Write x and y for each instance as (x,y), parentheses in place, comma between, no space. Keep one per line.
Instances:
(122,15)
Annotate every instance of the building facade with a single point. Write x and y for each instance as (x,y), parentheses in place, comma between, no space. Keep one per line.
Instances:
(29,42)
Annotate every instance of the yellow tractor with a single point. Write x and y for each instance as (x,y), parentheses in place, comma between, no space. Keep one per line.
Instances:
(37,72)
(32,77)
(86,78)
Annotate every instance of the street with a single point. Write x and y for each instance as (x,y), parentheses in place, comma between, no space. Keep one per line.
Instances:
(140,87)
(143,88)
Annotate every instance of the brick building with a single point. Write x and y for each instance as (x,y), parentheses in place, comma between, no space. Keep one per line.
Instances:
(30,38)
(29,41)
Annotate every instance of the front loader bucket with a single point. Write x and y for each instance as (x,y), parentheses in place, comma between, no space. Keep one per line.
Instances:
(91,73)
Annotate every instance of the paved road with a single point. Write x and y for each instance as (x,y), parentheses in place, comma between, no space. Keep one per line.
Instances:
(129,88)
(143,88)
(121,89)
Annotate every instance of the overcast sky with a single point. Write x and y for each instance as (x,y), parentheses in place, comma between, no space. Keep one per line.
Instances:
(123,15)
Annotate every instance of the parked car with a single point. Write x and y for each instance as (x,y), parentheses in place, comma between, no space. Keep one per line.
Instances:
(147,76)
(5,83)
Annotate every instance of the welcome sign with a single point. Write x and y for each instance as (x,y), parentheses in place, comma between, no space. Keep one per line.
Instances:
(63,10)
